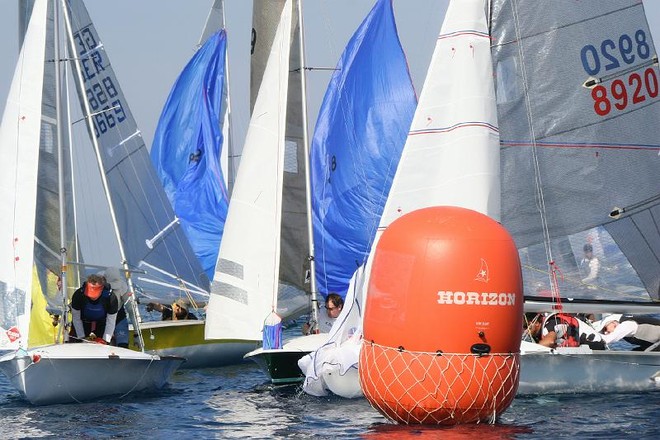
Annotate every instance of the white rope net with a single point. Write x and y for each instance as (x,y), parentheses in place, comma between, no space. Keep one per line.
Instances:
(431,388)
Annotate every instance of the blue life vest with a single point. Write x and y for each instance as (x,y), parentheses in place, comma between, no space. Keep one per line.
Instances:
(95,311)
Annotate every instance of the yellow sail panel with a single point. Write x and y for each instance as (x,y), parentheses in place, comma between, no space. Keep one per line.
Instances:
(42,330)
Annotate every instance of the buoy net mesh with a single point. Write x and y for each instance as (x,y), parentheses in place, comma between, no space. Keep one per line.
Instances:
(437,388)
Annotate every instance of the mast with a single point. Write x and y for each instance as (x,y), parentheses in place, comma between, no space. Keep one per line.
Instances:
(104,182)
(308,191)
(217,20)
(60,171)
(231,174)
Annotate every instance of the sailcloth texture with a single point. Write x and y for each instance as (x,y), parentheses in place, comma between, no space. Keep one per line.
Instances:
(360,132)
(19,144)
(450,157)
(187,150)
(245,284)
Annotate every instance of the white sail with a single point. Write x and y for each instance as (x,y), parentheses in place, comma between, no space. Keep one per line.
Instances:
(36,188)
(451,156)
(19,146)
(295,225)
(245,284)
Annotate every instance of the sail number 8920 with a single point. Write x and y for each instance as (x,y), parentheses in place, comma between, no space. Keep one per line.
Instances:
(612,55)
(623,92)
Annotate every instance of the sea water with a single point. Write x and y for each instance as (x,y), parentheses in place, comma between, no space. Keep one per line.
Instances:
(238,402)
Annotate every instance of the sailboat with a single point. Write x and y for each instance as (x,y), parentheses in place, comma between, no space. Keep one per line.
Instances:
(561,171)
(190,153)
(355,151)
(44,213)
(581,173)
(255,247)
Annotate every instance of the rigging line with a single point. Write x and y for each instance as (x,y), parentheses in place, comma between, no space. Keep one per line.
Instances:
(52,364)
(537,170)
(130,159)
(329,28)
(151,361)
(578,282)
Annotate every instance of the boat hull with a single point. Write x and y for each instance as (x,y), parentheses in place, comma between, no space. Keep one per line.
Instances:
(584,371)
(70,373)
(281,364)
(186,339)
(545,371)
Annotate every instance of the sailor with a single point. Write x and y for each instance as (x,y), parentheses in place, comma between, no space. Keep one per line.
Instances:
(334,304)
(591,265)
(643,331)
(120,288)
(94,310)
(562,330)
(179,310)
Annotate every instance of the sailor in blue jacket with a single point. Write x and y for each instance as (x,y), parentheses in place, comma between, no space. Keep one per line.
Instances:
(94,310)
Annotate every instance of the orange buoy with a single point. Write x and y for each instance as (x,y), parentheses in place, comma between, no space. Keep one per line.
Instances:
(443,319)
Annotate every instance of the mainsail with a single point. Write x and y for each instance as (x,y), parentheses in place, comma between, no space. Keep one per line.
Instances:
(145,224)
(295,244)
(245,285)
(580,127)
(362,126)
(188,146)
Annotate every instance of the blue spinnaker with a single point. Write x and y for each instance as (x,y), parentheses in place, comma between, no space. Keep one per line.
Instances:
(187,146)
(360,133)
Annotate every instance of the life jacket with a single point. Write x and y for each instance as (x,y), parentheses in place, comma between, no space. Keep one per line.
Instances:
(96,310)
(571,336)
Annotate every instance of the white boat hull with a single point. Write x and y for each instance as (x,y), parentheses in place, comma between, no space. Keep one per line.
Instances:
(542,371)
(186,339)
(581,370)
(81,372)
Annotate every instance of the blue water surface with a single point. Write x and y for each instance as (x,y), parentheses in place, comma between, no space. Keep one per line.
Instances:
(238,402)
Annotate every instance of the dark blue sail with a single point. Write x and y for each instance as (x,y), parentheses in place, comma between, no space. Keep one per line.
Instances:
(187,146)
(360,132)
